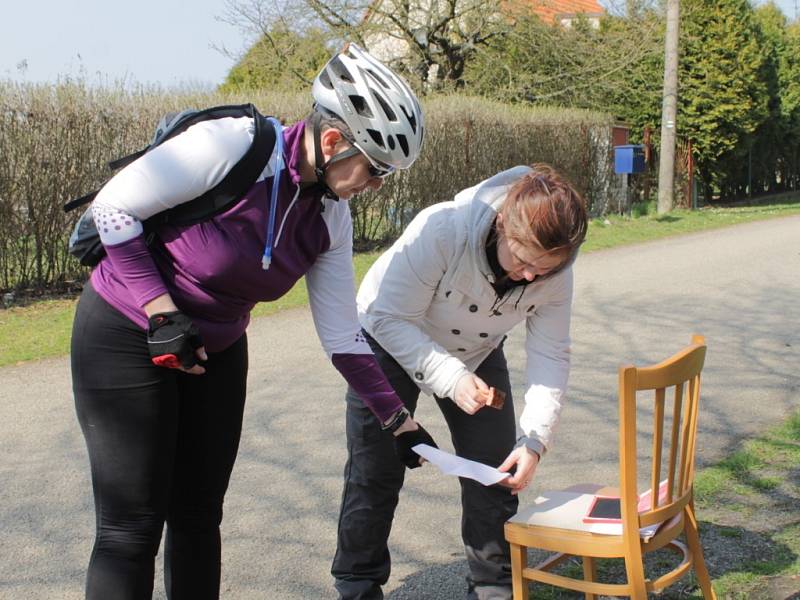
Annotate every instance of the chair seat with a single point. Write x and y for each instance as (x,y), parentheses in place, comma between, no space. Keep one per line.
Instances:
(563,509)
(557,516)
(555,521)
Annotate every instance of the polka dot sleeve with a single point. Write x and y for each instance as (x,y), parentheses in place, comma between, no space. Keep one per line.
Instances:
(114,225)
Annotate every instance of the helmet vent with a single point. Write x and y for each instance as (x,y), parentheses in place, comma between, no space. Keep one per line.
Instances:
(392,145)
(325,80)
(387,110)
(361,106)
(411,119)
(403,143)
(341,71)
(378,78)
(377,137)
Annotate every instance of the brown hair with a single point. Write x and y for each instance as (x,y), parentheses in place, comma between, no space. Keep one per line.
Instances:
(327,120)
(543,209)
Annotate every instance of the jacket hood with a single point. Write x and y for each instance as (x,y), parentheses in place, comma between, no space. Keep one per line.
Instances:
(483,201)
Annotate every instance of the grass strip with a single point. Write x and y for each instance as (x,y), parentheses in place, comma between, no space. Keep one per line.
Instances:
(42,329)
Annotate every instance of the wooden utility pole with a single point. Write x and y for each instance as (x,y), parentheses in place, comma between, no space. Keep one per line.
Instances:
(669,110)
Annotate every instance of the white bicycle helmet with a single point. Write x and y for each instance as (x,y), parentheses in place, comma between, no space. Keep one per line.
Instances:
(380,109)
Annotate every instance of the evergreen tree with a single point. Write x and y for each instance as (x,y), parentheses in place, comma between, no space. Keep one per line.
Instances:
(789,81)
(770,138)
(636,97)
(722,96)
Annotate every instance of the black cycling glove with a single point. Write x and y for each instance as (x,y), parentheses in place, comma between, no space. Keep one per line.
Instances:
(407,440)
(172,340)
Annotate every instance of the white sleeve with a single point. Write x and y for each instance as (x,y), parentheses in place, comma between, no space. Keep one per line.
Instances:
(547,346)
(396,294)
(174,172)
(331,287)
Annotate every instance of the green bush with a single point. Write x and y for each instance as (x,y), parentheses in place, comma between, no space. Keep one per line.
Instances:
(56,140)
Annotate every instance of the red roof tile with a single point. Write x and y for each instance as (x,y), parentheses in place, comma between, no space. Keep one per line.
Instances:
(548,10)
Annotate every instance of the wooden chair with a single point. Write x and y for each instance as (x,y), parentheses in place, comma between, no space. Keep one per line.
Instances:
(556,520)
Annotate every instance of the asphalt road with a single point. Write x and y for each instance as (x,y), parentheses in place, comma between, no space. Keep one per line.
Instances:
(738,286)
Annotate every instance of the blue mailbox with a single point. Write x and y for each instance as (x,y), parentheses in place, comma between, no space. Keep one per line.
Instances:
(629,158)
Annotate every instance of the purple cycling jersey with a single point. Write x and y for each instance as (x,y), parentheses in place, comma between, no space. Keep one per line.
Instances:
(213,272)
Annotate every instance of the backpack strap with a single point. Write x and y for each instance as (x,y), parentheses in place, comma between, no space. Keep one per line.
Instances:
(80,201)
(233,186)
(126,160)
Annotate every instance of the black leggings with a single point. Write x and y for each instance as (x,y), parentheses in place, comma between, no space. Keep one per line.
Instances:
(161,445)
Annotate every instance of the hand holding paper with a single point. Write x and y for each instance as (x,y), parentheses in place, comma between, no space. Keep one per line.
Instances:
(450,464)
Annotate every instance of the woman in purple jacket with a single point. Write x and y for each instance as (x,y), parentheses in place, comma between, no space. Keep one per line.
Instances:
(159,349)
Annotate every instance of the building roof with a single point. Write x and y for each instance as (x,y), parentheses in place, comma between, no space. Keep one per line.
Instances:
(551,11)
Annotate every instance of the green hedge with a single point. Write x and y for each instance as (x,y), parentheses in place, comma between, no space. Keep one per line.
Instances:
(55,142)
(469,139)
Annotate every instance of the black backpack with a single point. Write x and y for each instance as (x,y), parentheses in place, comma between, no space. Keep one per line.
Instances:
(84,243)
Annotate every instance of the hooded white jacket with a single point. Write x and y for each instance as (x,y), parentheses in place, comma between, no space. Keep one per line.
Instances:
(429,302)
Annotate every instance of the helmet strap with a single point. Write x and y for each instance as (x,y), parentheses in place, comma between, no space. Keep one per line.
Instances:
(321,168)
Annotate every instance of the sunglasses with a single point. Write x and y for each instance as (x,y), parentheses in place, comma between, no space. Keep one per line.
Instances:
(381,172)
(375,169)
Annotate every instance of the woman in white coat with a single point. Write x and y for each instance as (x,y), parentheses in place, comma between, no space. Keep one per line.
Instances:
(436,308)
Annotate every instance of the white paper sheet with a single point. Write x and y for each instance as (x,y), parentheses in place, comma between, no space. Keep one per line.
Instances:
(450,464)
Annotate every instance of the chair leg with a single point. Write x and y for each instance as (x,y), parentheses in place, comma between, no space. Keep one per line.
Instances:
(589,574)
(519,560)
(634,568)
(693,540)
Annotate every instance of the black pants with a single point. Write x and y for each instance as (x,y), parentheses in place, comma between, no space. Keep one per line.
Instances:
(161,447)
(373,477)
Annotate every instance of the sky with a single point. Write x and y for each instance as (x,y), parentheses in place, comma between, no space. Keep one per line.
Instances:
(167,42)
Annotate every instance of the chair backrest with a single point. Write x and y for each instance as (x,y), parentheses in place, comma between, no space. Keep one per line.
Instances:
(672,384)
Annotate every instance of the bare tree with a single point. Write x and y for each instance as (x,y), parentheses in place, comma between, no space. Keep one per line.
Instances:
(267,26)
(442,36)
(430,40)
(604,67)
